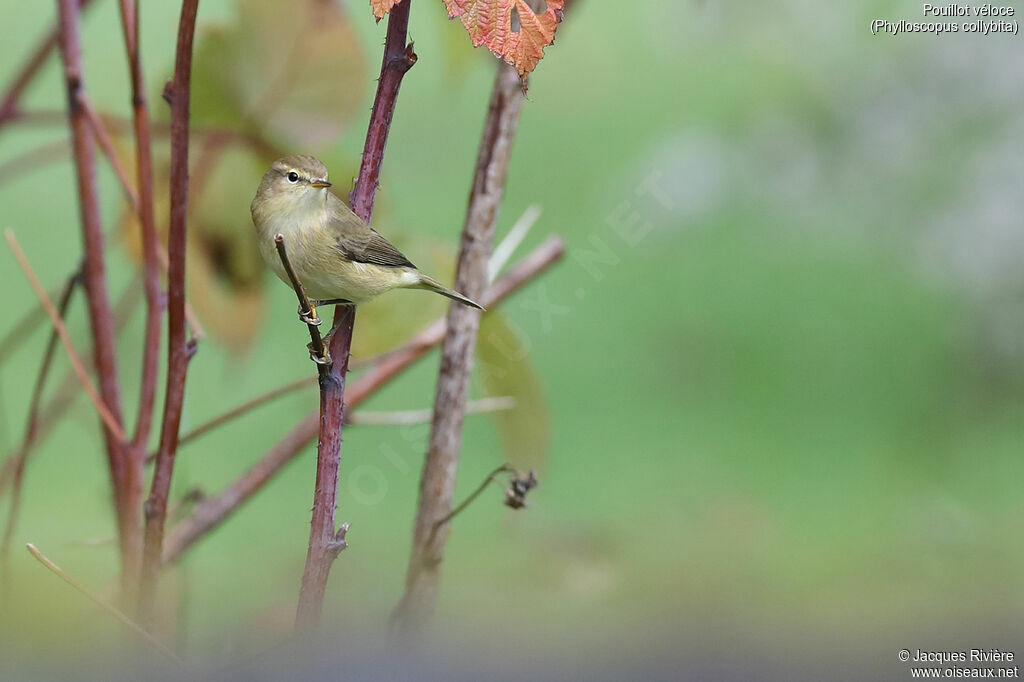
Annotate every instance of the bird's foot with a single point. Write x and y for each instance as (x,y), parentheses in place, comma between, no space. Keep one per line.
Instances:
(310,317)
(316,357)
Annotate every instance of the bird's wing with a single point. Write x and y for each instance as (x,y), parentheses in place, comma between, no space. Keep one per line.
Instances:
(359,243)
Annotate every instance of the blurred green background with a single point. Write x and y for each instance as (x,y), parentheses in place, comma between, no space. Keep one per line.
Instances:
(781,364)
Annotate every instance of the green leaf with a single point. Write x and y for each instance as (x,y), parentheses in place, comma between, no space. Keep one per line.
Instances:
(503,363)
(290,72)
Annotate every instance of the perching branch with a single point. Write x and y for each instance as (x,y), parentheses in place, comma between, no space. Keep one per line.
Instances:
(214,510)
(306,311)
(94,274)
(179,350)
(32,426)
(437,484)
(324,541)
(109,608)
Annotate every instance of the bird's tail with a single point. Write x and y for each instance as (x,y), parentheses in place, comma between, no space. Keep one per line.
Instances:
(431,284)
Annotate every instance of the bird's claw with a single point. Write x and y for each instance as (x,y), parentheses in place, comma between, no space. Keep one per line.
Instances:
(310,317)
(315,357)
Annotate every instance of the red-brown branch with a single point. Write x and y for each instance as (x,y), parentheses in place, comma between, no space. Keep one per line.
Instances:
(324,541)
(35,61)
(150,247)
(94,274)
(437,484)
(178,349)
(216,509)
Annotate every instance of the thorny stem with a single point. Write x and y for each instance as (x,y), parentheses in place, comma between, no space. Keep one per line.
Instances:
(437,483)
(179,350)
(94,274)
(214,510)
(324,540)
(32,426)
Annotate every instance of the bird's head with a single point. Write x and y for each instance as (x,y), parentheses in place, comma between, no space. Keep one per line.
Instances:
(291,183)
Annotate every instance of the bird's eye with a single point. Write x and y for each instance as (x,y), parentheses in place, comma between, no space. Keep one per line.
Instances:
(293,177)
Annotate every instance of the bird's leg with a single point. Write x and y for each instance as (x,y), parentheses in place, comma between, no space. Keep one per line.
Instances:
(331,301)
(311,317)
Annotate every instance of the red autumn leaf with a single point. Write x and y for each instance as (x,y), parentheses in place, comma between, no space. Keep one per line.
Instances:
(382,7)
(489,22)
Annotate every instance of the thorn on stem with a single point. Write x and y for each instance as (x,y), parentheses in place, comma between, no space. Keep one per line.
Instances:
(338,542)
(168,89)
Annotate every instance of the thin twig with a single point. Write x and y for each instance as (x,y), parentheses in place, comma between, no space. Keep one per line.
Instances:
(469,500)
(23,328)
(22,165)
(68,387)
(411,417)
(437,483)
(504,250)
(178,347)
(99,131)
(214,510)
(324,541)
(104,411)
(109,608)
(32,425)
(242,409)
(305,309)
(143,203)
(35,61)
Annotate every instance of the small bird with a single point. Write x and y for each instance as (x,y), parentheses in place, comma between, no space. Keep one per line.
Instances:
(338,258)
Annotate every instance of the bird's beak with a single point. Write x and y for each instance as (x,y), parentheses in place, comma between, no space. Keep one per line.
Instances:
(319,184)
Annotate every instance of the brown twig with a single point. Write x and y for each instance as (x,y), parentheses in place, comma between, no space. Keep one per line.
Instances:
(99,131)
(106,414)
(35,61)
(410,417)
(324,541)
(216,509)
(32,426)
(109,608)
(242,409)
(437,484)
(51,413)
(179,350)
(23,328)
(34,159)
(469,500)
(143,203)
(101,320)
(306,311)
